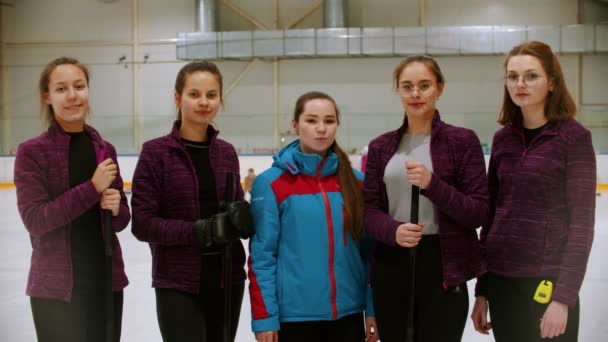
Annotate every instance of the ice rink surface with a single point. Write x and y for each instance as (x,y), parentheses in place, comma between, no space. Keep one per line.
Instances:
(139,315)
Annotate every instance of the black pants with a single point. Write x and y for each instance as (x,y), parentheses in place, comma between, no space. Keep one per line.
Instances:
(186,317)
(83,319)
(516,316)
(346,329)
(439,314)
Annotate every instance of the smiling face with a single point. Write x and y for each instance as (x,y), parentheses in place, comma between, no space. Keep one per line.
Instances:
(317,126)
(527,83)
(68,95)
(419,90)
(199,100)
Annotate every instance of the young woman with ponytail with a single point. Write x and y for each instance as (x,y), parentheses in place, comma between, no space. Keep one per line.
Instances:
(179,185)
(65,177)
(308,264)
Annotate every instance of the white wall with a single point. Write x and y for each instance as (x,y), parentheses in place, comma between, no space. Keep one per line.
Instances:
(99,34)
(259,163)
(496,12)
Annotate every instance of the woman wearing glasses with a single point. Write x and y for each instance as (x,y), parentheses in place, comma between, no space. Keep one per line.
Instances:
(447,164)
(542,179)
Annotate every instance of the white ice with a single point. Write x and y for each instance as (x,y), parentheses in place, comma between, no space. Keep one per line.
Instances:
(139,316)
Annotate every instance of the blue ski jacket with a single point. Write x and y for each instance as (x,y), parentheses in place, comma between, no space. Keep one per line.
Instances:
(303,263)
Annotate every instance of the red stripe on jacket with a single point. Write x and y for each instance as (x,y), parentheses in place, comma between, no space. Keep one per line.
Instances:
(300,184)
(330,238)
(258,307)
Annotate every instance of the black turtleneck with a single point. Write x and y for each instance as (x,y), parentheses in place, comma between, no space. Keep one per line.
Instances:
(86,244)
(199,154)
(530,134)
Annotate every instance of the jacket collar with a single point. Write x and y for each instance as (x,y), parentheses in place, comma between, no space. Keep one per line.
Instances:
(176,141)
(551,129)
(56,130)
(436,126)
(292,159)
(57,133)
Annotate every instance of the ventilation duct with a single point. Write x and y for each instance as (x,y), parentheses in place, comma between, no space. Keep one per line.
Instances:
(334,13)
(388,41)
(206,15)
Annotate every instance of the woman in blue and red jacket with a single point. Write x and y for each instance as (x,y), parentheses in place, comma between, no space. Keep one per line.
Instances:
(447,164)
(179,187)
(542,178)
(64,178)
(308,263)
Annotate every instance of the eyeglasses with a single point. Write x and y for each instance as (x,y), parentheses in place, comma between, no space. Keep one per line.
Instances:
(407,89)
(529,80)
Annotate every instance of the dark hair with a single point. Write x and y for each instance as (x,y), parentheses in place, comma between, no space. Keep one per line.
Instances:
(47,113)
(559,105)
(192,67)
(352,193)
(428,61)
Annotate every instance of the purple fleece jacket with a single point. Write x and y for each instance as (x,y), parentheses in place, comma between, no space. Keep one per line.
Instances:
(48,205)
(166,204)
(542,201)
(458,190)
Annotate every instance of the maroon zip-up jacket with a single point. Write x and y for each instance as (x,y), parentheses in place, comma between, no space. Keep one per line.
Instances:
(165,206)
(542,205)
(48,205)
(458,190)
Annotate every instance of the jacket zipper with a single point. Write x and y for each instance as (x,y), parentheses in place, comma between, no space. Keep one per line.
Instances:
(444,284)
(523,141)
(330,234)
(524,154)
(198,200)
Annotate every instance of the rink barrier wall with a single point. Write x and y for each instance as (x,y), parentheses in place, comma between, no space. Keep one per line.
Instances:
(259,163)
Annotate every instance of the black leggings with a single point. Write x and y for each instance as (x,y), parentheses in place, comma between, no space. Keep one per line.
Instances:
(346,329)
(187,317)
(439,314)
(516,316)
(83,319)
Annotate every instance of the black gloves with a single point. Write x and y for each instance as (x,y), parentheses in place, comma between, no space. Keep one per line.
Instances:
(216,230)
(240,217)
(222,228)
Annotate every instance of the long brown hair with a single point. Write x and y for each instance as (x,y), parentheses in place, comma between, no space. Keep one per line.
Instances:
(350,188)
(47,114)
(559,105)
(192,67)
